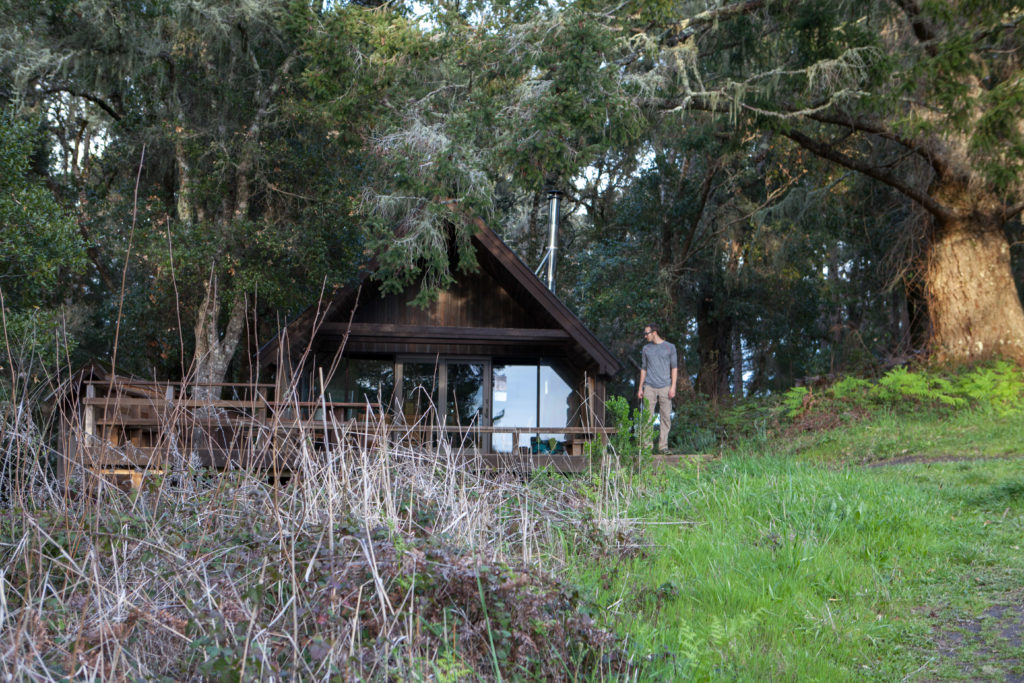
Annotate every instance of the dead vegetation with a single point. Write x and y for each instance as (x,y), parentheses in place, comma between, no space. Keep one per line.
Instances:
(375,562)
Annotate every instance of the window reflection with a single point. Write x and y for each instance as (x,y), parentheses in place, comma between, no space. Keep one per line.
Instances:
(362,380)
(522,395)
(465,397)
(419,389)
(555,402)
(514,403)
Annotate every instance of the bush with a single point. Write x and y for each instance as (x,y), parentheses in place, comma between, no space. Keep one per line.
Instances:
(633,442)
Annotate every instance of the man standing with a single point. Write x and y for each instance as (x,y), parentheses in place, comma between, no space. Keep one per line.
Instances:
(658,374)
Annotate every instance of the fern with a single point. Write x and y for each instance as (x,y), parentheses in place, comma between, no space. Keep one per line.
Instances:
(899,384)
(853,390)
(688,647)
(793,400)
(999,387)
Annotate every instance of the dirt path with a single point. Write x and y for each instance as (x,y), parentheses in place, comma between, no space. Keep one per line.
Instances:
(984,647)
(977,647)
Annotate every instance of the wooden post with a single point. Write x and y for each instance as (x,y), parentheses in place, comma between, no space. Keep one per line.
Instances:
(90,424)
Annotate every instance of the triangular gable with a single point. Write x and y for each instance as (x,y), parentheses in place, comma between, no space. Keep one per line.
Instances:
(519,292)
(530,286)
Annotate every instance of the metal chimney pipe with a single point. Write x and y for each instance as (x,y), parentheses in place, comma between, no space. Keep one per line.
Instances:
(554,199)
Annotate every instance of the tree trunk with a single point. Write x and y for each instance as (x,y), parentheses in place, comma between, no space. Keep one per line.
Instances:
(213,350)
(184,198)
(973,302)
(714,342)
(737,364)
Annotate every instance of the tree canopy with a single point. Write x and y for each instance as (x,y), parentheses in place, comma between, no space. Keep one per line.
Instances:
(789,187)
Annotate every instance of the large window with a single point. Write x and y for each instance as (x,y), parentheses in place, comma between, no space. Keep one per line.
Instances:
(466,392)
(530,395)
(513,403)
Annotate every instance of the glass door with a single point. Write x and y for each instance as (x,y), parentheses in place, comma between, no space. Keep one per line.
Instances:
(465,401)
(514,404)
(464,394)
(420,390)
(446,392)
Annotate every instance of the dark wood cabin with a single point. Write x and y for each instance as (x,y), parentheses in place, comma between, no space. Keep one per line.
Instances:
(497,363)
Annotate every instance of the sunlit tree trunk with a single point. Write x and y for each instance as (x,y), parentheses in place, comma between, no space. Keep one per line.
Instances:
(973,301)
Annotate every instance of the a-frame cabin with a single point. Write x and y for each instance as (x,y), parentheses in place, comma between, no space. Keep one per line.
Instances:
(497,362)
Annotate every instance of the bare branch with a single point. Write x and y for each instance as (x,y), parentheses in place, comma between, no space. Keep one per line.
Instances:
(687,28)
(1013,211)
(826,151)
(705,195)
(95,99)
(847,120)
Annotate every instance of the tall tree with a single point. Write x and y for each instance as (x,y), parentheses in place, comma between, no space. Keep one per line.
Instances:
(39,250)
(924,97)
(215,183)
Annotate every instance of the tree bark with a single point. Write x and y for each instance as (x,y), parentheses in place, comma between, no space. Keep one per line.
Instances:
(973,303)
(213,351)
(972,299)
(184,198)
(714,342)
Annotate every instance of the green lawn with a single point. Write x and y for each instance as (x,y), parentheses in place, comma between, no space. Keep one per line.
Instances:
(799,567)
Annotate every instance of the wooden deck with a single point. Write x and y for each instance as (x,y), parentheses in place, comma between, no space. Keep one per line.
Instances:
(132,427)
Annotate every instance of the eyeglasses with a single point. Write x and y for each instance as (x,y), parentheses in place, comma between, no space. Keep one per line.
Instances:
(647,332)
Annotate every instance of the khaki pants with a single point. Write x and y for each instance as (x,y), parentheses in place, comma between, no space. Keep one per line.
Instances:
(655,397)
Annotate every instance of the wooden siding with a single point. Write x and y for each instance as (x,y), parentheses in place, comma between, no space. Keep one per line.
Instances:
(475,300)
(382,347)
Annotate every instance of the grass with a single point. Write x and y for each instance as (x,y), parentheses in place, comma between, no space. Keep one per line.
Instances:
(799,566)
(926,434)
(378,561)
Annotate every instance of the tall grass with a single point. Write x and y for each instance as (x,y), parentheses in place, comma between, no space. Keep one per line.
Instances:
(377,560)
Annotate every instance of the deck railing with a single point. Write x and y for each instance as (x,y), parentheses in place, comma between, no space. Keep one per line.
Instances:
(130,425)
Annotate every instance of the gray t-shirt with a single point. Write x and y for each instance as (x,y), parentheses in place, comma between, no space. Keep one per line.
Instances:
(658,361)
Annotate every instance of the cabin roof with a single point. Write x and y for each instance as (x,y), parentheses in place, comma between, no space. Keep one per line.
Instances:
(493,256)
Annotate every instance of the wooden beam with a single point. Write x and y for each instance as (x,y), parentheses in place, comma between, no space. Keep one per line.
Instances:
(432,333)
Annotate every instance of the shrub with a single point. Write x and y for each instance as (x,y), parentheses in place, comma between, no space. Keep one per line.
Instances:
(996,386)
(633,442)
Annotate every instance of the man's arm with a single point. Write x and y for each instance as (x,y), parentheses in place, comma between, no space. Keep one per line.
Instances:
(640,386)
(672,385)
